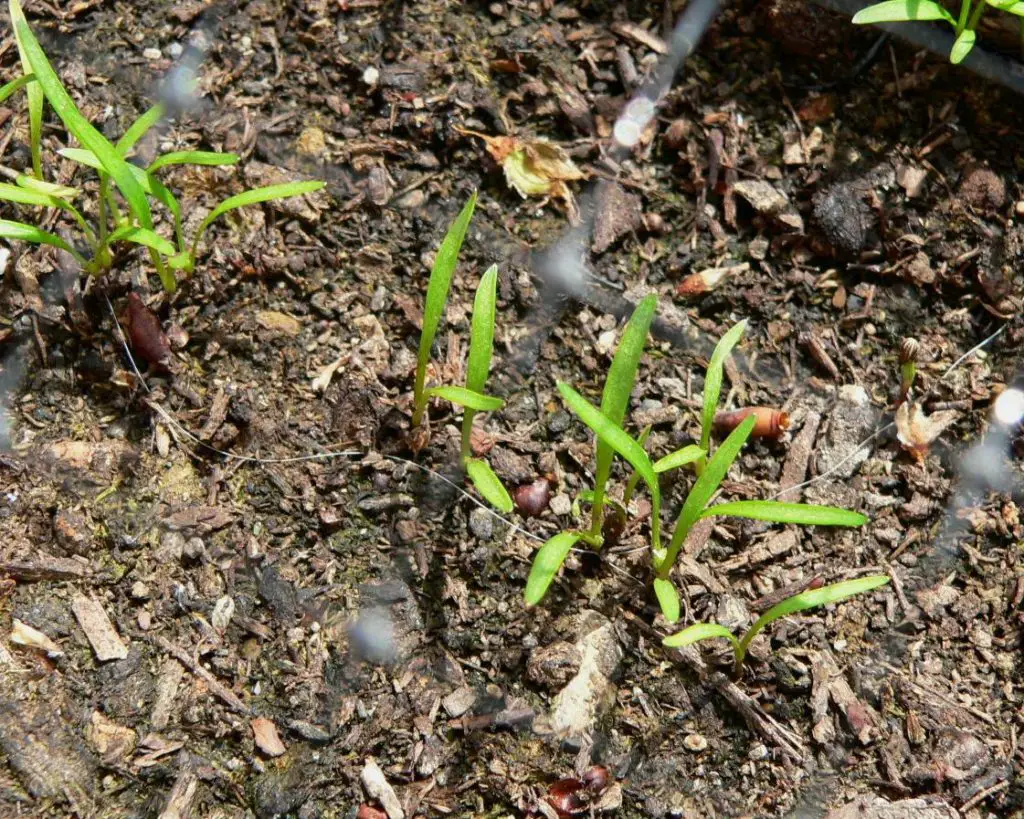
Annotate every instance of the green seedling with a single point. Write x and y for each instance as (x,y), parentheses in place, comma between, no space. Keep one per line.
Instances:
(437,295)
(472,398)
(614,401)
(134,184)
(792,605)
(964,26)
(909,350)
(713,388)
(696,505)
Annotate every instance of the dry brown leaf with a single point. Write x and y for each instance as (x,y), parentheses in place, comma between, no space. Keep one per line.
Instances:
(917,431)
(534,167)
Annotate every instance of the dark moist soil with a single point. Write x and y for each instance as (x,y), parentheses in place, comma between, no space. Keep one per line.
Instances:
(292,634)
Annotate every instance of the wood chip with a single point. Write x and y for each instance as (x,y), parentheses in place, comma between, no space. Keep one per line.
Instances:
(216,686)
(167,684)
(112,742)
(45,567)
(201,519)
(218,412)
(267,740)
(794,472)
(183,794)
(378,788)
(24,635)
(631,31)
(98,629)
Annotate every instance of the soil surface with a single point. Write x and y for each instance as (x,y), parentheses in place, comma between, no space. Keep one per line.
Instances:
(241,627)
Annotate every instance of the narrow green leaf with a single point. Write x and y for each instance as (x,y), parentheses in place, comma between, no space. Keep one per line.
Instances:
(150,184)
(32,91)
(15,85)
(30,233)
(81,128)
(618,387)
(142,236)
(481,335)
(28,196)
(634,476)
(488,485)
(809,600)
(681,457)
(467,398)
(254,197)
(900,11)
(804,514)
(63,192)
(697,632)
(625,446)
(546,563)
(713,381)
(138,129)
(1015,7)
(704,487)
(962,46)
(192,158)
(437,294)
(668,598)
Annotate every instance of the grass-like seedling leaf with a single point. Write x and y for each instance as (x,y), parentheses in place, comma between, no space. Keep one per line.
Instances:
(192,158)
(618,388)
(15,85)
(33,91)
(713,384)
(467,398)
(437,294)
(142,236)
(80,127)
(254,197)
(488,485)
(797,603)
(30,233)
(30,194)
(49,188)
(546,563)
(803,514)
(681,457)
(962,46)
(481,346)
(901,11)
(624,445)
(668,598)
(704,487)
(700,631)
(137,130)
(808,600)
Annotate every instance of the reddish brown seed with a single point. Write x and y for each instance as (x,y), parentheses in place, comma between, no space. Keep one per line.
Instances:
(564,797)
(146,334)
(703,282)
(770,423)
(370,812)
(532,498)
(597,778)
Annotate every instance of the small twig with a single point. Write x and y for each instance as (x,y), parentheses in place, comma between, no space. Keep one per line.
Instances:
(216,686)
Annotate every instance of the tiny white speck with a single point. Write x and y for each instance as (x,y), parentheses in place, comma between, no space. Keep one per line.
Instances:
(1009,407)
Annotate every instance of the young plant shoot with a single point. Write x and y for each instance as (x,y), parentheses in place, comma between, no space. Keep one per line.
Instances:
(437,295)
(94,251)
(472,398)
(695,507)
(964,26)
(797,603)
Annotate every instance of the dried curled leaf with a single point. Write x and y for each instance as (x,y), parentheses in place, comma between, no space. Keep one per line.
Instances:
(534,167)
(916,431)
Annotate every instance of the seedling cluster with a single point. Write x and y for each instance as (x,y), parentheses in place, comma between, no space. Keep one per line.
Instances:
(109,224)
(710,464)
(964,26)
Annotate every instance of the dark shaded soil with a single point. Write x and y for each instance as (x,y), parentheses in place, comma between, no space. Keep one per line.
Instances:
(369,610)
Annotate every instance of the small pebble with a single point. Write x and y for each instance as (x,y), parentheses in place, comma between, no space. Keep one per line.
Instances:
(140,591)
(561,504)
(695,742)
(145,620)
(758,752)
(175,50)
(152,54)
(481,523)
(371,75)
